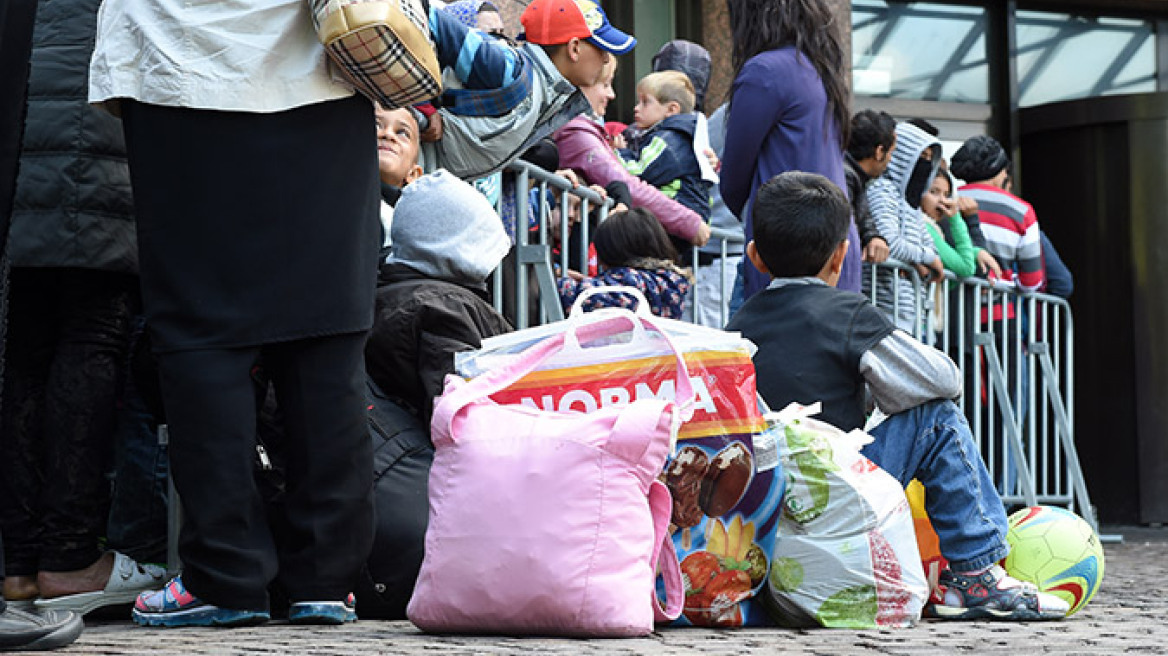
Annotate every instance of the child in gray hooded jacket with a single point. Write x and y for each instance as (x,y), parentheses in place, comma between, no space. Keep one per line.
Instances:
(894,200)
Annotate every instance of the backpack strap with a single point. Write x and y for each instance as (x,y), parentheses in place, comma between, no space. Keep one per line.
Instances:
(665,555)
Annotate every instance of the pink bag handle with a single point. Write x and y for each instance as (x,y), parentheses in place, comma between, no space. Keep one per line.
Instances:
(661,505)
(493,381)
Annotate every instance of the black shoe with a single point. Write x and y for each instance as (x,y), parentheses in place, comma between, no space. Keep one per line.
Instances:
(47,629)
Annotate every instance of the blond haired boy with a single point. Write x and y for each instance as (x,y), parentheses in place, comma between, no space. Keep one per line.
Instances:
(664,154)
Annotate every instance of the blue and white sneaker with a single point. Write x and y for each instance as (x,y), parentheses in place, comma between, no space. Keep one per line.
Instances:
(991,595)
(324,612)
(175,606)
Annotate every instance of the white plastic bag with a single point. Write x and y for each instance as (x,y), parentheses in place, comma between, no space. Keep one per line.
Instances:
(846,553)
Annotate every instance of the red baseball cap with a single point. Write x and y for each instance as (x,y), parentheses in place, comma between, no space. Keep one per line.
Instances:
(552,22)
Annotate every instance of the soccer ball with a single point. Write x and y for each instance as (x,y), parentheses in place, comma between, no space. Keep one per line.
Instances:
(1056,550)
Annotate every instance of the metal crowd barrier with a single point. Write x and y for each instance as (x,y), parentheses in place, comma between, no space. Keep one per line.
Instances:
(1016,353)
(1018,368)
(535,249)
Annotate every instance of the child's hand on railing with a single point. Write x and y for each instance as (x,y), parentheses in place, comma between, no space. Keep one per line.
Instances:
(930,271)
(876,251)
(702,237)
(570,175)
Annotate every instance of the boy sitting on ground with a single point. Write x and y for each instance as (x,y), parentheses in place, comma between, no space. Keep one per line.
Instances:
(817,343)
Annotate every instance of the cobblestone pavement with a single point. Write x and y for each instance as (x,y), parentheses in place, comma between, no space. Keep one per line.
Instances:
(1129,615)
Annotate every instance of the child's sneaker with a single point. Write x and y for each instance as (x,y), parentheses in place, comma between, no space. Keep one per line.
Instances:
(324,612)
(174,606)
(991,595)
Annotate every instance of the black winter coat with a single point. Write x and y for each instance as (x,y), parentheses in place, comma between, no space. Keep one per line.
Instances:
(419,324)
(73,205)
(857,179)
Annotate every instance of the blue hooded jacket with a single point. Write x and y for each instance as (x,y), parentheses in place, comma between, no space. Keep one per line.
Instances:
(664,157)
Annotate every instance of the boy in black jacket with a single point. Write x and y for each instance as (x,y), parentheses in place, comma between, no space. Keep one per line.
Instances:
(816,343)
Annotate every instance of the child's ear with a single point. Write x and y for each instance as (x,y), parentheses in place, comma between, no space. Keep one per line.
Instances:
(837,258)
(755,258)
(414,173)
(672,108)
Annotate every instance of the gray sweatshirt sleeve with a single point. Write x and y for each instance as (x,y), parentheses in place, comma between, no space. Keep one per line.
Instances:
(903,373)
(897,223)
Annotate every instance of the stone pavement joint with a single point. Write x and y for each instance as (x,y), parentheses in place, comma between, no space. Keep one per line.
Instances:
(1128,615)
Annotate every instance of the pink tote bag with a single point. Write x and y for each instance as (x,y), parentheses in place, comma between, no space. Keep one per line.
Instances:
(549,523)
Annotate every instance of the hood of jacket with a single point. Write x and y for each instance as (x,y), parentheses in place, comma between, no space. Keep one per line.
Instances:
(689,58)
(911,141)
(684,123)
(445,229)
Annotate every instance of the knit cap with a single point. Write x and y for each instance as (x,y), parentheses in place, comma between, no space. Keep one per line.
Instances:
(979,158)
(445,229)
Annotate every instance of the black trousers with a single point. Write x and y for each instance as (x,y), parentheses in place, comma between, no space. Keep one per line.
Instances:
(228,552)
(68,335)
(16,25)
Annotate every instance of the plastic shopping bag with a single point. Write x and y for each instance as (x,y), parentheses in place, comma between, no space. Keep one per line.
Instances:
(846,553)
(726,495)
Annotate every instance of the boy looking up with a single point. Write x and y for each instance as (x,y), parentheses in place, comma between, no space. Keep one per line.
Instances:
(817,343)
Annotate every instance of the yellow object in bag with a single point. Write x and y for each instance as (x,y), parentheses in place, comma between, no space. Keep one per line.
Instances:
(927,541)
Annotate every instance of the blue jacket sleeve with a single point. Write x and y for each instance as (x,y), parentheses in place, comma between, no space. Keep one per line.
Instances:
(754,109)
(1059,281)
(657,163)
(478,61)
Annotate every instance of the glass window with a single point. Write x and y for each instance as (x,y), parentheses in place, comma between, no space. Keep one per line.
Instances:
(1062,57)
(919,51)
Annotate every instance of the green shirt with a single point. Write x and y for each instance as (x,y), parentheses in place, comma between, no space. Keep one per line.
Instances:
(959,257)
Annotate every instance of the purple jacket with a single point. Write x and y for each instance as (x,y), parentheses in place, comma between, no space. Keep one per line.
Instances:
(778,122)
(583,149)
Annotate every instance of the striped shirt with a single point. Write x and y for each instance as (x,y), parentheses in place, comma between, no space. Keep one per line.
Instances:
(1012,236)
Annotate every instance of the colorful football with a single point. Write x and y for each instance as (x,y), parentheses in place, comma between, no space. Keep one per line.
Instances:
(1057,551)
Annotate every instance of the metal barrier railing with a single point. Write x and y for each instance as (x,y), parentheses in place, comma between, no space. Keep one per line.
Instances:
(534,259)
(1015,350)
(1016,353)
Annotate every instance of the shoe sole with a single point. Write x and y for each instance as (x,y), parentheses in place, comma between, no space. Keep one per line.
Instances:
(26,605)
(87,602)
(330,613)
(202,616)
(63,635)
(938,612)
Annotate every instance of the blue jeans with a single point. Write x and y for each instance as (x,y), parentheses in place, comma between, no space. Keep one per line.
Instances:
(138,509)
(932,443)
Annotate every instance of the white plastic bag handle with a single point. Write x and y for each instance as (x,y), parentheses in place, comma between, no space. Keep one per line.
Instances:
(642,303)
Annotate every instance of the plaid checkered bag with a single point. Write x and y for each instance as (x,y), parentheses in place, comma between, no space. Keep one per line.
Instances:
(382,46)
